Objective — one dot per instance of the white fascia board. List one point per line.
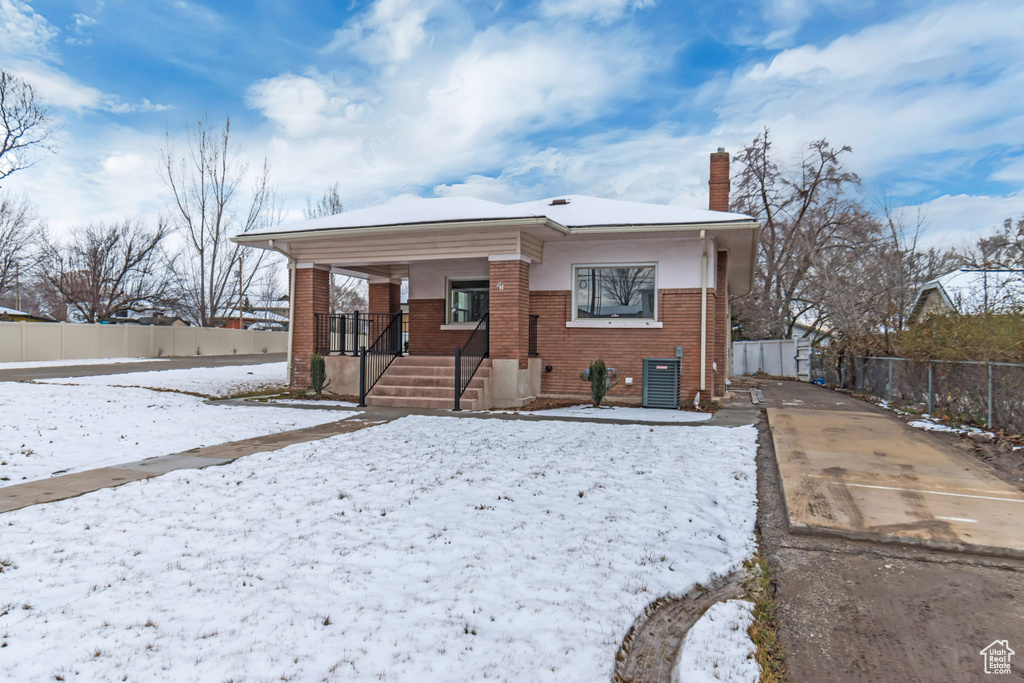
(541, 221)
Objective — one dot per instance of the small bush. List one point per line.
(598, 378)
(318, 373)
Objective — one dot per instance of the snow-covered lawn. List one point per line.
(622, 413)
(214, 382)
(47, 428)
(718, 648)
(425, 549)
(19, 365)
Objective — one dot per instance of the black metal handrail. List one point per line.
(469, 356)
(532, 348)
(345, 333)
(376, 358)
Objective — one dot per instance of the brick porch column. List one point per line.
(312, 296)
(510, 309)
(723, 324)
(385, 297)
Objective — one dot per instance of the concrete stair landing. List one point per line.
(429, 382)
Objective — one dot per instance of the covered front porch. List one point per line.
(465, 339)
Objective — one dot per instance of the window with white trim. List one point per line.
(627, 292)
(468, 299)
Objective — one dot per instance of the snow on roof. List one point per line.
(580, 211)
(571, 211)
(974, 291)
(11, 311)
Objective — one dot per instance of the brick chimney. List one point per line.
(719, 181)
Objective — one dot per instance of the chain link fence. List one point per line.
(984, 394)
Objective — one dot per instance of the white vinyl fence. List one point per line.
(779, 357)
(33, 341)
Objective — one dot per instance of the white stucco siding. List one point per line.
(427, 278)
(678, 260)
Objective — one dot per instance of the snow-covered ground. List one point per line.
(933, 424)
(215, 382)
(718, 648)
(313, 402)
(425, 549)
(47, 429)
(622, 413)
(19, 365)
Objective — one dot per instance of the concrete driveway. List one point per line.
(869, 476)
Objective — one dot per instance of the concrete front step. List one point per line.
(425, 392)
(419, 402)
(424, 370)
(426, 380)
(429, 382)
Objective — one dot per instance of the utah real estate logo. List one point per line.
(997, 657)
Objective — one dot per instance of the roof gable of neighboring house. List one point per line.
(970, 292)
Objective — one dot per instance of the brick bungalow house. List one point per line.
(528, 293)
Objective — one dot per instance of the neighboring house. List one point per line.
(14, 315)
(971, 292)
(255, 319)
(148, 316)
(561, 281)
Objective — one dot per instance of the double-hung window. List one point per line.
(627, 292)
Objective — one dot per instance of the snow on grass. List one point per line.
(19, 365)
(425, 549)
(47, 429)
(214, 382)
(718, 649)
(623, 413)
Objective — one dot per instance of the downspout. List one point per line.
(291, 305)
(703, 310)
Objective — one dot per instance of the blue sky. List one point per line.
(519, 100)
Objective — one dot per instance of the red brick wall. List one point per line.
(312, 296)
(510, 310)
(426, 338)
(570, 350)
(385, 297)
(718, 182)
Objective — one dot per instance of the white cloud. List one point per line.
(601, 11)
(948, 81)
(390, 32)
(959, 220)
(23, 33)
(456, 109)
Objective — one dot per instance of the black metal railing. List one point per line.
(532, 348)
(376, 357)
(469, 356)
(345, 333)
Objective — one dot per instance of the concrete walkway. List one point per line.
(73, 485)
(869, 476)
(49, 372)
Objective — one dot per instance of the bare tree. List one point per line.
(26, 124)
(103, 269)
(805, 212)
(210, 205)
(329, 204)
(19, 229)
(347, 293)
(624, 286)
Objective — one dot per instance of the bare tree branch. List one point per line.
(25, 124)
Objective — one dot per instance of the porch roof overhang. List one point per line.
(373, 246)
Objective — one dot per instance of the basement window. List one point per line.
(615, 292)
